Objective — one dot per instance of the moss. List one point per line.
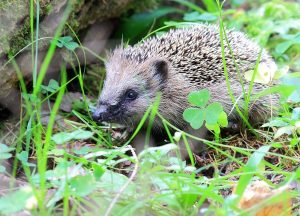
(4, 4)
(85, 13)
(145, 5)
(89, 11)
(48, 8)
(11, 13)
(21, 38)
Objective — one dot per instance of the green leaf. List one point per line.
(296, 114)
(53, 84)
(199, 98)
(222, 120)
(31, 97)
(210, 5)
(213, 111)
(67, 42)
(137, 26)
(294, 82)
(15, 202)
(72, 46)
(57, 152)
(295, 96)
(63, 137)
(58, 194)
(4, 156)
(194, 116)
(65, 39)
(275, 123)
(159, 150)
(98, 171)
(284, 130)
(298, 173)
(5, 148)
(52, 87)
(82, 185)
(196, 16)
(213, 127)
(294, 142)
(283, 47)
(251, 167)
(83, 150)
(238, 2)
(277, 145)
(112, 182)
(23, 157)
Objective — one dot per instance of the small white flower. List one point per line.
(27, 189)
(265, 73)
(31, 203)
(177, 136)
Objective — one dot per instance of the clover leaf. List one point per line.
(212, 114)
(67, 42)
(213, 111)
(194, 116)
(199, 98)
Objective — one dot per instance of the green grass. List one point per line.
(82, 169)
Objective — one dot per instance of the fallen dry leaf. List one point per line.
(259, 192)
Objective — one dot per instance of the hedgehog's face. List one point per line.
(129, 89)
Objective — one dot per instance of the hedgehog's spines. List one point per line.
(198, 43)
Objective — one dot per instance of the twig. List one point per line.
(115, 200)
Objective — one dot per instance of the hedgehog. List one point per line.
(174, 64)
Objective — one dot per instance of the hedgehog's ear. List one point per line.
(160, 68)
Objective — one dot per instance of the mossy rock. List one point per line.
(15, 18)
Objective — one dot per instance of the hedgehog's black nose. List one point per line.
(100, 114)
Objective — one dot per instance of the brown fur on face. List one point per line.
(147, 79)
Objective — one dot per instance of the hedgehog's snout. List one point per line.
(106, 113)
(99, 114)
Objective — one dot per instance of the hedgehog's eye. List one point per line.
(131, 94)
